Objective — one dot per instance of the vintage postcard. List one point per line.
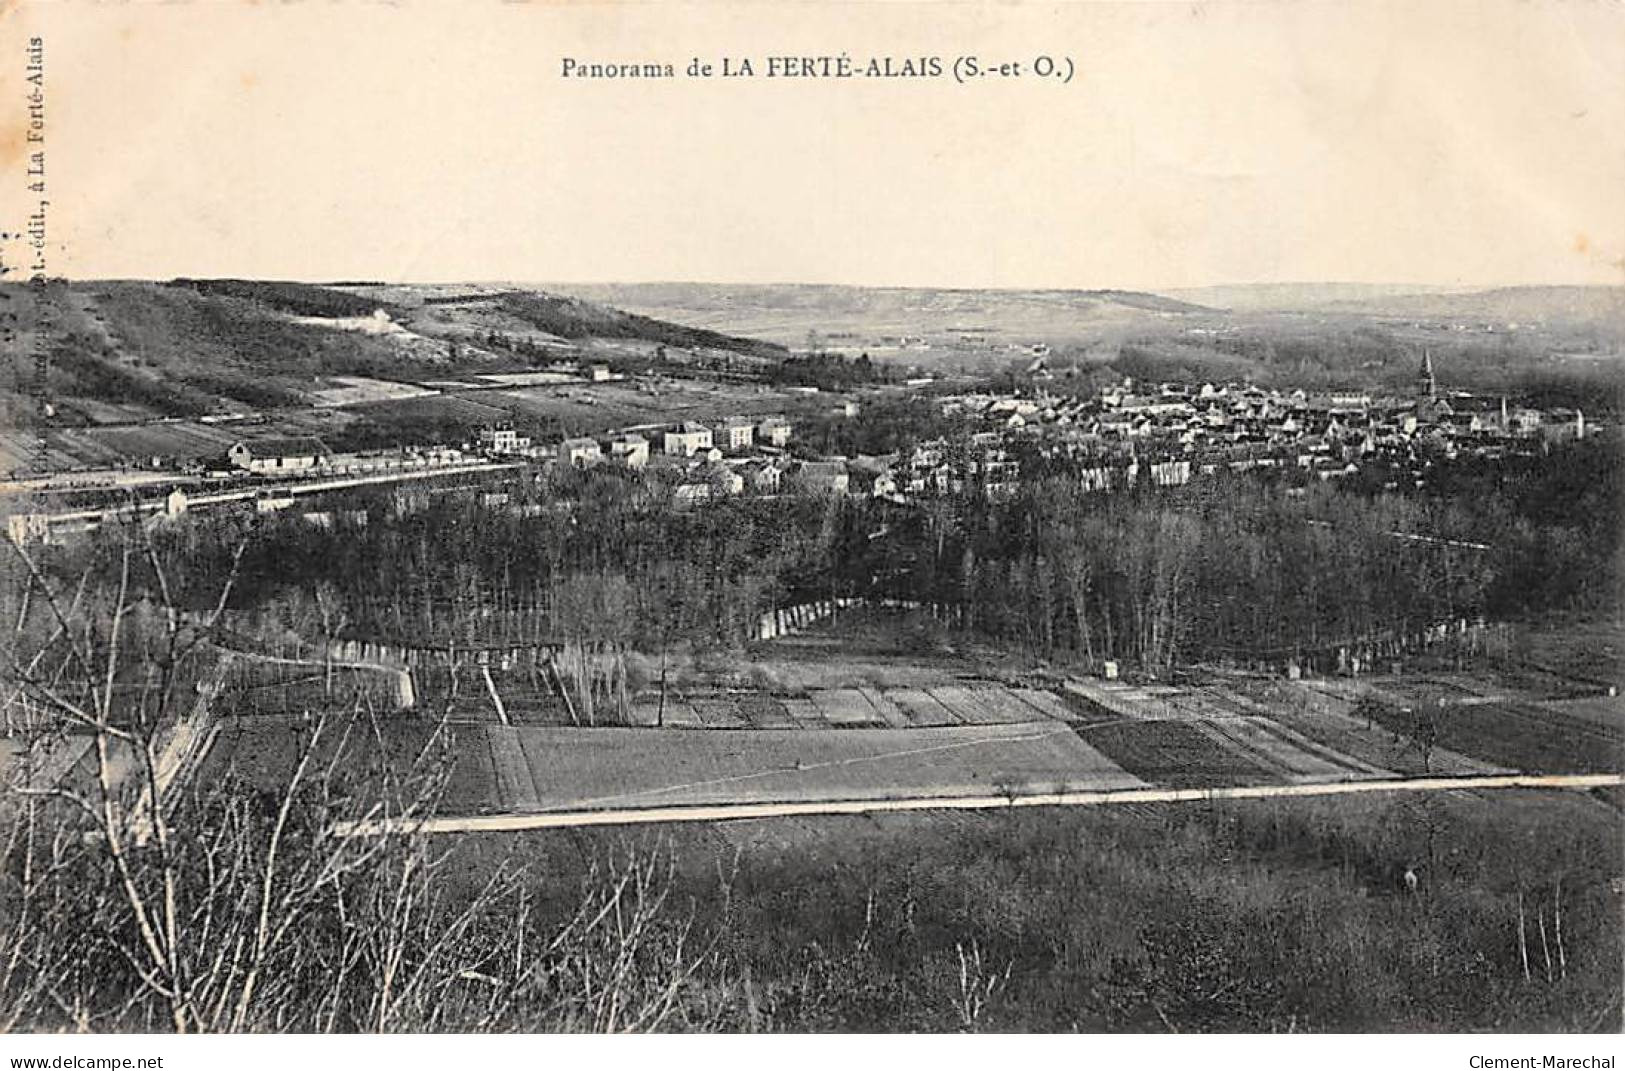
(812, 518)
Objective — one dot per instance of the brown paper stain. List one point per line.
(248, 80)
(13, 138)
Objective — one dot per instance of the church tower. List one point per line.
(1426, 385)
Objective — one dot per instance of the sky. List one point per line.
(1459, 144)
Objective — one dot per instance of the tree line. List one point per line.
(1227, 568)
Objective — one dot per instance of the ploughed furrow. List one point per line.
(516, 788)
(1177, 754)
(1257, 737)
(922, 708)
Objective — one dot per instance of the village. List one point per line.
(1124, 436)
(1167, 433)
(1128, 434)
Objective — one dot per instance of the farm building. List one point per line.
(821, 478)
(1563, 424)
(278, 455)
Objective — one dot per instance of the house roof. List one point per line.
(302, 446)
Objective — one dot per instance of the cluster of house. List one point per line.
(698, 461)
(308, 456)
(1169, 432)
(1162, 435)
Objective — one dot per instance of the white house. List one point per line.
(277, 456)
(580, 452)
(734, 433)
(687, 439)
(764, 477)
(774, 431)
(1172, 473)
(503, 439)
(631, 450)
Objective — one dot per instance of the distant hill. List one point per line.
(1571, 306)
(559, 316)
(1568, 305)
(1254, 297)
(786, 313)
(573, 318)
(129, 351)
(301, 299)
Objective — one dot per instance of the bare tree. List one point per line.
(135, 898)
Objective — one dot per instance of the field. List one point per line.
(79, 448)
(842, 711)
(1525, 737)
(584, 408)
(1592, 651)
(576, 769)
(1200, 736)
(1327, 720)
(358, 757)
(527, 696)
(359, 390)
(252, 688)
(1607, 712)
(1177, 754)
(504, 769)
(872, 317)
(528, 379)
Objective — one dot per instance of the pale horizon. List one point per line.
(544, 284)
(1457, 145)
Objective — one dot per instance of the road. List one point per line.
(299, 487)
(509, 823)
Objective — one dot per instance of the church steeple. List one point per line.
(1426, 385)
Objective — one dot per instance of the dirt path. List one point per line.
(500, 823)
